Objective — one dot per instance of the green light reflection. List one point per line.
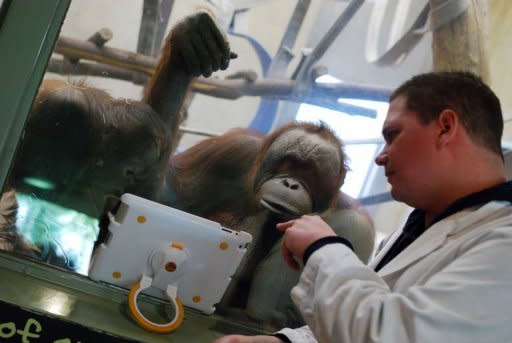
(39, 183)
(65, 237)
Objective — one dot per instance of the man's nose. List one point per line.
(381, 158)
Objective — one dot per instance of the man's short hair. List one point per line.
(477, 106)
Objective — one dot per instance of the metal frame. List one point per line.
(25, 50)
(151, 34)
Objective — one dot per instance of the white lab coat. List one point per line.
(452, 284)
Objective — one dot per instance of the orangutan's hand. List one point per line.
(298, 236)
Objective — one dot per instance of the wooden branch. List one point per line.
(62, 66)
(100, 37)
(117, 57)
(129, 66)
(284, 89)
(231, 88)
(234, 89)
(461, 44)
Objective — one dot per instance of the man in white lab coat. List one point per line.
(445, 276)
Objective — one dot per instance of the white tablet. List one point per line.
(196, 255)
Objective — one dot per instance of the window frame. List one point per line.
(25, 51)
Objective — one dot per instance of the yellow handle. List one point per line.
(147, 324)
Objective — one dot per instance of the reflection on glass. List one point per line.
(94, 135)
(59, 303)
(90, 138)
(64, 236)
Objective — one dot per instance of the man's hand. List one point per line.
(199, 46)
(247, 339)
(299, 234)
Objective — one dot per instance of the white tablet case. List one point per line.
(142, 236)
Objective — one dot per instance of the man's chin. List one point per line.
(395, 194)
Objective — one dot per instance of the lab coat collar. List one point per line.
(436, 236)
(502, 192)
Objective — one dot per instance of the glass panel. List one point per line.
(361, 136)
(128, 105)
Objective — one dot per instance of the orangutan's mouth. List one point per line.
(279, 209)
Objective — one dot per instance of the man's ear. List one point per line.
(448, 125)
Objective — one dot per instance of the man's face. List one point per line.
(410, 155)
